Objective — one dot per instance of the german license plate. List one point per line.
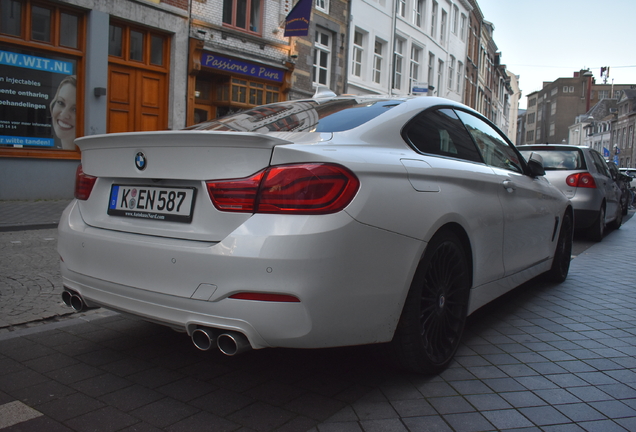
(149, 202)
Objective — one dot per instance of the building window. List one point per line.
(414, 71)
(49, 24)
(440, 76)
(553, 106)
(401, 8)
(322, 58)
(460, 72)
(451, 72)
(455, 20)
(442, 27)
(531, 118)
(532, 102)
(398, 64)
(431, 68)
(530, 136)
(358, 51)
(603, 94)
(418, 12)
(377, 61)
(554, 91)
(322, 5)
(462, 27)
(134, 44)
(552, 129)
(434, 20)
(243, 15)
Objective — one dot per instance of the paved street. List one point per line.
(545, 357)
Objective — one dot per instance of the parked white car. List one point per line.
(325, 222)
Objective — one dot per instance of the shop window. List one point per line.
(243, 14)
(137, 45)
(42, 55)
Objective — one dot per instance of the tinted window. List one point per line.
(494, 149)
(600, 164)
(558, 159)
(440, 132)
(335, 115)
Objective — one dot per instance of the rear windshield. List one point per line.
(335, 115)
(558, 159)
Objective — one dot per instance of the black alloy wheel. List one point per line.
(563, 253)
(434, 314)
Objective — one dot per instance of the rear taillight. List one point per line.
(83, 184)
(582, 180)
(311, 188)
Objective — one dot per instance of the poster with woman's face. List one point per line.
(38, 98)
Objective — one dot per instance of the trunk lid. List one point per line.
(175, 161)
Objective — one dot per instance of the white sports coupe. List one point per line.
(314, 223)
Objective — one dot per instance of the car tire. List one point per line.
(597, 229)
(618, 221)
(563, 253)
(432, 321)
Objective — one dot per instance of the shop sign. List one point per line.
(37, 100)
(227, 64)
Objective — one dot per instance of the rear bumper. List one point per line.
(347, 295)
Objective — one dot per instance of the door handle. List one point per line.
(509, 185)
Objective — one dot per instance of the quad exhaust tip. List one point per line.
(228, 342)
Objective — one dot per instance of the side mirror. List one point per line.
(535, 163)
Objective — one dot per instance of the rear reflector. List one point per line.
(283, 298)
(312, 188)
(83, 184)
(582, 180)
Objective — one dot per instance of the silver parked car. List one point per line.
(582, 174)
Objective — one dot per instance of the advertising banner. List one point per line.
(37, 100)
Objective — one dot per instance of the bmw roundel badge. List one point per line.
(141, 161)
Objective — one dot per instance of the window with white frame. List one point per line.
(431, 68)
(442, 27)
(358, 52)
(553, 108)
(401, 8)
(322, 58)
(398, 63)
(460, 73)
(434, 20)
(377, 61)
(455, 20)
(419, 6)
(603, 94)
(462, 27)
(440, 76)
(451, 72)
(414, 70)
(322, 5)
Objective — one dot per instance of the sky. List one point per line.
(543, 40)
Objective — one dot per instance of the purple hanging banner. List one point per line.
(297, 21)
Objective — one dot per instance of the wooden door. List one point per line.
(136, 100)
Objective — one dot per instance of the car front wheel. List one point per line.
(434, 314)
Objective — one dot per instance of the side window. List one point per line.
(600, 164)
(494, 149)
(440, 132)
